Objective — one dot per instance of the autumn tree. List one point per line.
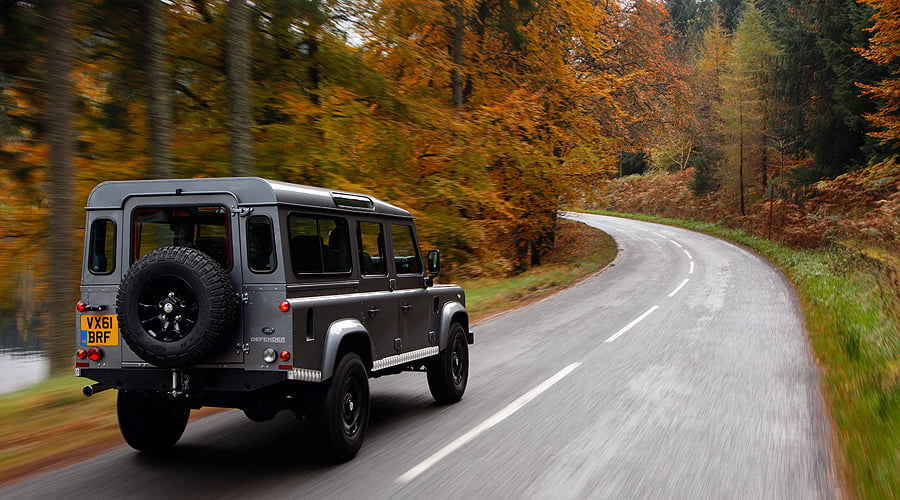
(885, 50)
(743, 106)
(705, 123)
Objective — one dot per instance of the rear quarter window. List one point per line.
(102, 247)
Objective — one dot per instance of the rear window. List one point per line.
(204, 228)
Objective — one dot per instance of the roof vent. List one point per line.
(345, 200)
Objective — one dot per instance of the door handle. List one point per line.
(373, 311)
(406, 307)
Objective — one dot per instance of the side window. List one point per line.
(406, 252)
(370, 237)
(102, 251)
(319, 244)
(260, 244)
(204, 228)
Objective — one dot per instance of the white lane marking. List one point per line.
(689, 255)
(679, 287)
(654, 232)
(692, 268)
(676, 243)
(631, 325)
(487, 424)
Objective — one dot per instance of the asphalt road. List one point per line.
(681, 371)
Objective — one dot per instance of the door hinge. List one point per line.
(398, 345)
(245, 298)
(241, 211)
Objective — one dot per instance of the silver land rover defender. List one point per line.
(259, 295)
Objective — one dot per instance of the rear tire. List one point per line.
(151, 423)
(448, 372)
(344, 412)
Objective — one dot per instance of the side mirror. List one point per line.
(434, 262)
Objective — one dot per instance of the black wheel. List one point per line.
(448, 372)
(175, 304)
(149, 422)
(345, 409)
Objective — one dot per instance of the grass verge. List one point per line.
(579, 252)
(851, 302)
(52, 424)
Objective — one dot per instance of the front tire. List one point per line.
(151, 423)
(345, 409)
(448, 372)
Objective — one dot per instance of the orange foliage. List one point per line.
(885, 49)
(862, 206)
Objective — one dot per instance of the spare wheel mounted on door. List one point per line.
(175, 305)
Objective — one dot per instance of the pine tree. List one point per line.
(743, 104)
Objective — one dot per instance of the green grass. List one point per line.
(851, 302)
(52, 423)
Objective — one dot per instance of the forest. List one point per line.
(481, 117)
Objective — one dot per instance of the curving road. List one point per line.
(681, 371)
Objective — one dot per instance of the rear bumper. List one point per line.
(191, 381)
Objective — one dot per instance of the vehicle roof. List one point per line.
(247, 190)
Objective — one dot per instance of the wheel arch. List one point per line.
(345, 335)
(452, 311)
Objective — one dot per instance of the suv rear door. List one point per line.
(206, 222)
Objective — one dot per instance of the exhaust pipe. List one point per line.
(90, 390)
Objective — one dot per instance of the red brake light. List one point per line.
(81, 354)
(285, 356)
(95, 353)
(80, 306)
(284, 306)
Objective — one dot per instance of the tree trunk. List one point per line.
(456, 79)
(60, 263)
(159, 92)
(240, 124)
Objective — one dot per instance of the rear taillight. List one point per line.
(81, 354)
(80, 306)
(285, 356)
(284, 306)
(95, 353)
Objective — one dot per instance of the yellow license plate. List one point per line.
(99, 329)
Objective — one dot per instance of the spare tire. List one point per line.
(175, 305)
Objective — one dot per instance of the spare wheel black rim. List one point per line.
(168, 308)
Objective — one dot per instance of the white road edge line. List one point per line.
(692, 268)
(679, 287)
(689, 255)
(676, 243)
(483, 426)
(631, 325)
